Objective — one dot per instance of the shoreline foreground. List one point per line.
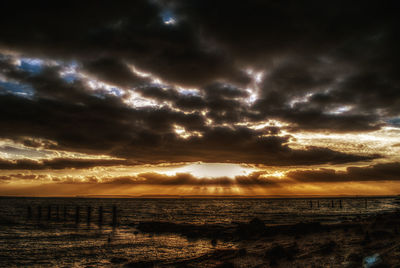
(208, 233)
(369, 242)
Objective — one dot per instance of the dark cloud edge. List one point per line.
(377, 172)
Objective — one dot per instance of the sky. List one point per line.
(153, 97)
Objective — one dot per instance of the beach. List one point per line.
(199, 232)
(371, 242)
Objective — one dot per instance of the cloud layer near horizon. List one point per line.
(377, 172)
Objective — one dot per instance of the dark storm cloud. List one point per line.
(131, 31)
(378, 172)
(326, 67)
(113, 71)
(344, 52)
(92, 121)
(239, 145)
(360, 32)
(306, 93)
(223, 103)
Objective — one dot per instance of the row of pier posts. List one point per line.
(89, 209)
(332, 204)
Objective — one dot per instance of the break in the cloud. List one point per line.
(150, 82)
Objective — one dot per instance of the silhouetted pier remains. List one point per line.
(114, 216)
(39, 213)
(100, 215)
(59, 213)
(331, 204)
(49, 212)
(335, 203)
(89, 215)
(29, 211)
(77, 214)
(65, 214)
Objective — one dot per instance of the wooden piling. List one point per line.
(100, 215)
(310, 203)
(340, 203)
(332, 204)
(114, 215)
(77, 214)
(29, 212)
(89, 215)
(65, 214)
(57, 213)
(48, 212)
(318, 203)
(39, 212)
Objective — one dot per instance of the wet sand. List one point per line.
(205, 233)
(373, 241)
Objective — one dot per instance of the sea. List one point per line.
(69, 232)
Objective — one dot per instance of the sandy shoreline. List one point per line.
(256, 243)
(373, 241)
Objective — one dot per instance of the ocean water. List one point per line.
(57, 239)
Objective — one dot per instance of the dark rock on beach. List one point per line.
(188, 230)
(118, 260)
(140, 264)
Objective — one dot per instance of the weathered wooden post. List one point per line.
(365, 203)
(340, 203)
(89, 215)
(310, 203)
(100, 215)
(318, 203)
(65, 214)
(332, 204)
(77, 214)
(29, 215)
(57, 213)
(114, 215)
(49, 212)
(39, 212)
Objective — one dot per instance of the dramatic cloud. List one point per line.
(378, 172)
(133, 31)
(179, 179)
(58, 163)
(91, 120)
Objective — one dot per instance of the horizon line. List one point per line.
(166, 196)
